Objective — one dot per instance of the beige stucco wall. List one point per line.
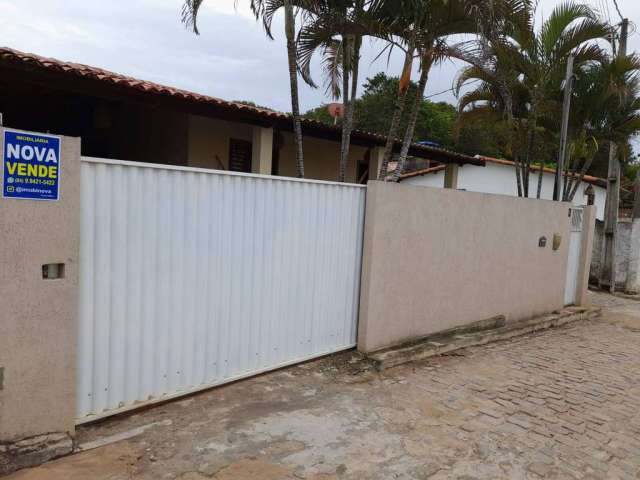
(209, 137)
(38, 318)
(321, 159)
(435, 259)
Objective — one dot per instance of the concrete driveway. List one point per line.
(563, 403)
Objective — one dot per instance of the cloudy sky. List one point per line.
(231, 59)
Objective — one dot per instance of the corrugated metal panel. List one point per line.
(191, 278)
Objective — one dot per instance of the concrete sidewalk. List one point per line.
(562, 403)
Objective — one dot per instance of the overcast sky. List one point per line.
(231, 59)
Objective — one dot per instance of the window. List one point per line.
(362, 171)
(239, 155)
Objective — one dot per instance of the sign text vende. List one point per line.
(31, 166)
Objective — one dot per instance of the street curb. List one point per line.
(33, 451)
(627, 296)
(437, 344)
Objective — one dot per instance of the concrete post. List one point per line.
(262, 150)
(586, 249)
(632, 284)
(451, 176)
(38, 319)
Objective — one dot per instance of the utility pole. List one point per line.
(608, 253)
(558, 193)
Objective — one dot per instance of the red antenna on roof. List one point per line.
(336, 110)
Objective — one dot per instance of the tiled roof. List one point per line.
(87, 71)
(423, 171)
(600, 182)
(19, 59)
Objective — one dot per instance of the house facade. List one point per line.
(498, 176)
(124, 118)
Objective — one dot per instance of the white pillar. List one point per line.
(633, 273)
(451, 176)
(586, 249)
(262, 150)
(375, 162)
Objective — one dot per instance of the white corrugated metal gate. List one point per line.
(575, 245)
(191, 278)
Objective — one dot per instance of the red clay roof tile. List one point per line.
(8, 55)
(600, 182)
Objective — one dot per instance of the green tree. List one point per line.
(487, 138)
(437, 121)
(432, 27)
(336, 28)
(520, 71)
(374, 111)
(605, 110)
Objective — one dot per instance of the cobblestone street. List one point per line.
(562, 403)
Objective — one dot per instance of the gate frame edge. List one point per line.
(586, 250)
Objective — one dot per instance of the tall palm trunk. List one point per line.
(526, 170)
(293, 82)
(521, 154)
(505, 94)
(531, 138)
(516, 162)
(353, 63)
(397, 113)
(427, 61)
(531, 142)
(578, 181)
(567, 178)
(346, 71)
(540, 176)
(516, 158)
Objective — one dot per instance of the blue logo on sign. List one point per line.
(31, 166)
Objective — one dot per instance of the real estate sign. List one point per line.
(30, 166)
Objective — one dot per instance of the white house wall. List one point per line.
(500, 179)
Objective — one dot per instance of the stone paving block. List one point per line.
(562, 403)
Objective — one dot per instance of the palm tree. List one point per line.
(403, 87)
(401, 34)
(266, 9)
(336, 28)
(520, 73)
(606, 109)
(434, 23)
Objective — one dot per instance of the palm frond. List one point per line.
(332, 61)
(189, 15)
(562, 16)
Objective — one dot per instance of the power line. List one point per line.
(605, 3)
(600, 7)
(615, 3)
(439, 93)
(448, 90)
